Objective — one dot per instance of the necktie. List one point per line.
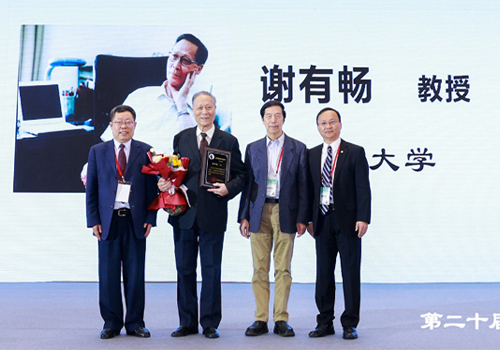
(326, 176)
(122, 160)
(203, 144)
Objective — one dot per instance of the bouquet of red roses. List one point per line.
(175, 201)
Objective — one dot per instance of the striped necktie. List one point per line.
(326, 177)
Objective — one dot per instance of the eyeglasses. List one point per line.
(121, 122)
(329, 123)
(185, 61)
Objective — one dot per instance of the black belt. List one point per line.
(122, 212)
(272, 200)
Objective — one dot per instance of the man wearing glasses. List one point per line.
(118, 196)
(163, 111)
(341, 209)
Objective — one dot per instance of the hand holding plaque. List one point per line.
(215, 166)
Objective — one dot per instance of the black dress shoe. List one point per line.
(350, 333)
(108, 333)
(321, 330)
(140, 332)
(283, 329)
(211, 333)
(182, 331)
(257, 328)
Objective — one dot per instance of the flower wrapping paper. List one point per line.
(175, 201)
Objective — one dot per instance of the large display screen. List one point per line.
(415, 83)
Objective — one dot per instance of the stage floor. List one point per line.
(66, 316)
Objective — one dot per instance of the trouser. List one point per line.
(122, 250)
(329, 243)
(262, 244)
(210, 245)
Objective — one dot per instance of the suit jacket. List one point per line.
(293, 195)
(209, 210)
(351, 187)
(102, 184)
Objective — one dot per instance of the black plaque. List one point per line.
(215, 167)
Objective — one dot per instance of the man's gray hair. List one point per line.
(204, 93)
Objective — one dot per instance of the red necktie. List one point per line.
(203, 144)
(122, 159)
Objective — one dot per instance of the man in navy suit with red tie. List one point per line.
(341, 210)
(118, 195)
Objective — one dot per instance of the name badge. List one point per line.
(272, 188)
(324, 197)
(122, 192)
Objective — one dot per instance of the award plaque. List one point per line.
(215, 167)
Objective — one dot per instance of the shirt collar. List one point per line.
(163, 90)
(335, 145)
(278, 142)
(117, 144)
(210, 132)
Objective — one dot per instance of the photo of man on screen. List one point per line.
(163, 111)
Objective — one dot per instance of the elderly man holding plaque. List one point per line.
(215, 175)
(274, 207)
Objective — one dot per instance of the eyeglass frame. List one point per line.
(123, 122)
(172, 55)
(328, 123)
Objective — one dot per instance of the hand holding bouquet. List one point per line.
(175, 201)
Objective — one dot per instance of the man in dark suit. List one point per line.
(202, 226)
(341, 210)
(274, 206)
(118, 196)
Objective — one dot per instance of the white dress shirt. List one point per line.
(335, 146)
(210, 135)
(274, 148)
(126, 149)
(157, 119)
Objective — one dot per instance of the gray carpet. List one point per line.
(66, 316)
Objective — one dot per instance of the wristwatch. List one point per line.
(184, 111)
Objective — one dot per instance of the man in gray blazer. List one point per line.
(273, 207)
